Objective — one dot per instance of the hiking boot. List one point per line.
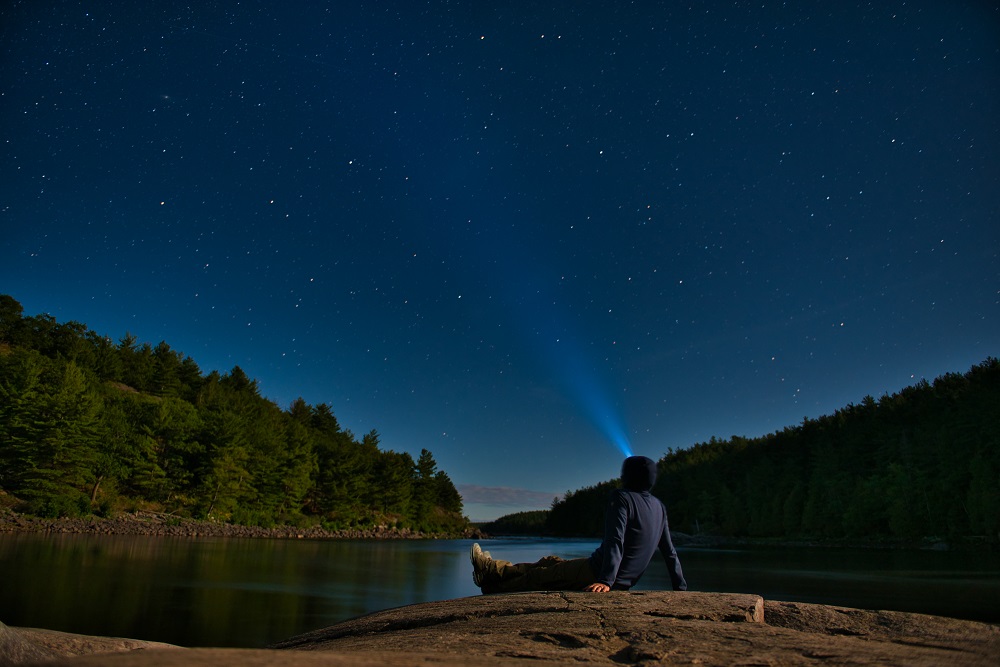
(480, 564)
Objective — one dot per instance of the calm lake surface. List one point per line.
(249, 593)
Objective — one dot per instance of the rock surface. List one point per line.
(31, 645)
(560, 628)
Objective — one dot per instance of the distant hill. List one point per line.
(521, 523)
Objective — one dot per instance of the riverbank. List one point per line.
(154, 523)
(564, 629)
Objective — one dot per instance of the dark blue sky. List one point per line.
(516, 235)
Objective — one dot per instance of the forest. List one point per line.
(92, 426)
(532, 522)
(920, 464)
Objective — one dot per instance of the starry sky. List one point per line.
(527, 238)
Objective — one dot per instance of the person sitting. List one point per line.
(635, 526)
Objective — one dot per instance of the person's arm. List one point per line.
(613, 546)
(670, 557)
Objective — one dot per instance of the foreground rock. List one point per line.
(663, 628)
(30, 645)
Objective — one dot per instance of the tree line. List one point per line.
(91, 425)
(920, 463)
(532, 522)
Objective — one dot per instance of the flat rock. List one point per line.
(33, 645)
(640, 627)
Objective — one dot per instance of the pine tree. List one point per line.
(50, 433)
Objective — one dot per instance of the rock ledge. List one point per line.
(560, 628)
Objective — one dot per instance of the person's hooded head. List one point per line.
(638, 473)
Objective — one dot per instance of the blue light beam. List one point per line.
(569, 364)
(527, 285)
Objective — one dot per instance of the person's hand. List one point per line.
(597, 588)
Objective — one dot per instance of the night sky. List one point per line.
(527, 238)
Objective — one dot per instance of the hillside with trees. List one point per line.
(921, 463)
(533, 522)
(90, 425)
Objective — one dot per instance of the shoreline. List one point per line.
(155, 524)
(141, 522)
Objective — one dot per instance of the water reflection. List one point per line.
(219, 592)
(215, 592)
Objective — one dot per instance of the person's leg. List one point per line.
(548, 574)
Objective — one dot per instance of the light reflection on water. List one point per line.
(218, 592)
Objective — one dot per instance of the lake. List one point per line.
(249, 593)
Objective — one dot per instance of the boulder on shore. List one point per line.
(569, 628)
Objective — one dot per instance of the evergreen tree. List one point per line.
(136, 363)
(424, 495)
(166, 376)
(122, 444)
(168, 470)
(49, 433)
(11, 313)
(392, 486)
(107, 360)
(446, 495)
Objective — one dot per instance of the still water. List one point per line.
(249, 593)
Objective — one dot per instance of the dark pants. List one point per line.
(549, 574)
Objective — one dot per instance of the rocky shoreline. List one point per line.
(158, 524)
(142, 522)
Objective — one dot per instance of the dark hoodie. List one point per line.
(634, 527)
